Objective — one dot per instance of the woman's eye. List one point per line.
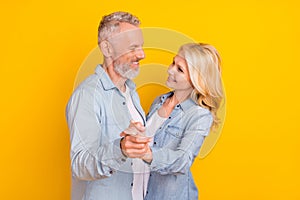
(179, 69)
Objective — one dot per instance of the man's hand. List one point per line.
(134, 144)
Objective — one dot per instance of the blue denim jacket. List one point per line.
(96, 114)
(176, 144)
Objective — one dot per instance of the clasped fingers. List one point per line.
(134, 146)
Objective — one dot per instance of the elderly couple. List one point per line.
(119, 153)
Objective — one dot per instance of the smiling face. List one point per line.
(179, 78)
(127, 50)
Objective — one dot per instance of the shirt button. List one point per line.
(110, 171)
(124, 103)
(170, 117)
(131, 184)
(154, 142)
(123, 159)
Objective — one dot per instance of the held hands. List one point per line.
(134, 143)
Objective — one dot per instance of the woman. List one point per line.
(181, 119)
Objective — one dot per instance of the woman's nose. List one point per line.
(170, 69)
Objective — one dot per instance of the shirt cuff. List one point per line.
(118, 152)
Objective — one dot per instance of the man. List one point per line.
(103, 107)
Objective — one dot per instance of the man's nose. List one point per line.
(140, 54)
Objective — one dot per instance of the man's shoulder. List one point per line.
(90, 83)
(93, 80)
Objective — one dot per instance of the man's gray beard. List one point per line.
(125, 71)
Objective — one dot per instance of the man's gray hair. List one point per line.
(111, 23)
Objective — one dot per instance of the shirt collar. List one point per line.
(185, 105)
(107, 82)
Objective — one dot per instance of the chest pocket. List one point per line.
(173, 136)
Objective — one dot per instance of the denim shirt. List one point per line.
(96, 114)
(176, 144)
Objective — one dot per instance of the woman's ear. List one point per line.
(106, 48)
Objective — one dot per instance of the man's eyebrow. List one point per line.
(135, 46)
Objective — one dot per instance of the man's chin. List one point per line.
(126, 71)
(132, 74)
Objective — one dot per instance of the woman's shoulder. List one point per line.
(200, 116)
(199, 113)
(196, 112)
(193, 108)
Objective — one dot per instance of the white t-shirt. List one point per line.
(137, 188)
(140, 169)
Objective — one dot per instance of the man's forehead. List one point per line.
(124, 26)
(128, 34)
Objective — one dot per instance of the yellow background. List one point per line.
(43, 43)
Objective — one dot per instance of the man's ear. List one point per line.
(106, 48)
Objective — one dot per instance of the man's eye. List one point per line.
(135, 48)
(179, 69)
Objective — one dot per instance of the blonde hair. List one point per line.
(204, 63)
(111, 24)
